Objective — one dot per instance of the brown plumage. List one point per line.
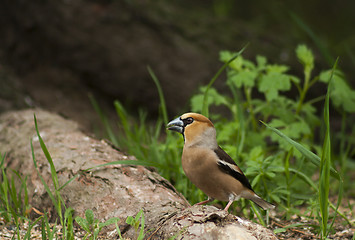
(208, 166)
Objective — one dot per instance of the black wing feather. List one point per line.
(227, 169)
(224, 156)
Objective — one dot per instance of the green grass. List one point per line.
(14, 206)
(65, 213)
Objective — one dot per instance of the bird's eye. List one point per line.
(189, 120)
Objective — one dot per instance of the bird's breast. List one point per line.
(194, 162)
(200, 166)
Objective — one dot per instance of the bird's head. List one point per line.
(196, 129)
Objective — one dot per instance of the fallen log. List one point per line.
(110, 191)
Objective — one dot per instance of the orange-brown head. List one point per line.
(196, 129)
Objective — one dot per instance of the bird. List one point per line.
(208, 166)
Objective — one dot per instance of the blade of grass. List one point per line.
(304, 177)
(118, 231)
(205, 96)
(50, 194)
(307, 153)
(2, 159)
(314, 37)
(257, 213)
(287, 176)
(161, 95)
(4, 195)
(323, 192)
(26, 204)
(68, 224)
(127, 162)
(48, 156)
(55, 197)
(241, 119)
(104, 120)
(142, 223)
(283, 229)
(328, 154)
(43, 230)
(69, 181)
(28, 233)
(121, 112)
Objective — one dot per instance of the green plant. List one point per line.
(93, 226)
(138, 223)
(14, 205)
(48, 232)
(57, 200)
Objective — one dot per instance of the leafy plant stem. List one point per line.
(307, 74)
(205, 96)
(247, 92)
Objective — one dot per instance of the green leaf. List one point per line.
(109, 222)
(277, 68)
(50, 194)
(130, 220)
(293, 130)
(340, 92)
(48, 156)
(227, 131)
(213, 98)
(256, 180)
(83, 223)
(305, 56)
(273, 82)
(235, 64)
(214, 78)
(225, 55)
(89, 214)
(244, 78)
(261, 62)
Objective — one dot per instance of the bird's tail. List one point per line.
(261, 202)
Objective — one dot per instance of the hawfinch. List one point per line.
(209, 167)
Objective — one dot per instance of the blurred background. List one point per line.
(53, 53)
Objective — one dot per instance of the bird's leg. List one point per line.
(206, 201)
(228, 205)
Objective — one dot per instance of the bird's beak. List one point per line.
(176, 125)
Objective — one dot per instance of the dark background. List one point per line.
(53, 53)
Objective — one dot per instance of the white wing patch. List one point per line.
(231, 166)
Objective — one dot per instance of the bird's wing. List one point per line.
(227, 165)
